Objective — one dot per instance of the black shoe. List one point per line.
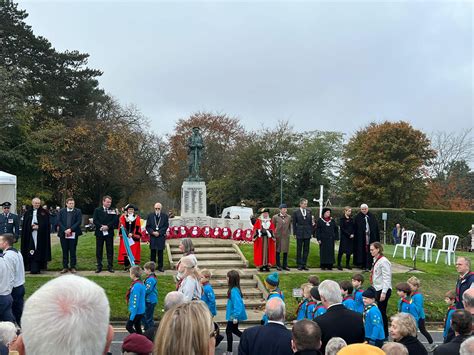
(110, 270)
(161, 269)
(348, 267)
(261, 269)
(300, 268)
(278, 268)
(330, 268)
(323, 268)
(286, 268)
(339, 267)
(98, 270)
(305, 268)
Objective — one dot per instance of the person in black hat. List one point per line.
(282, 222)
(264, 241)
(9, 222)
(132, 224)
(326, 234)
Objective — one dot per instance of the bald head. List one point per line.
(468, 300)
(275, 309)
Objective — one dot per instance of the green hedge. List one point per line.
(420, 221)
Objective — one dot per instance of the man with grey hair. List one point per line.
(467, 346)
(366, 232)
(338, 321)
(465, 280)
(173, 299)
(270, 339)
(67, 315)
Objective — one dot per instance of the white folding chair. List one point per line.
(426, 244)
(406, 242)
(449, 247)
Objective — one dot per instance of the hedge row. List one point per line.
(420, 221)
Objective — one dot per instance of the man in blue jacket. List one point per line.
(69, 221)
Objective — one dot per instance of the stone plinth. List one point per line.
(193, 199)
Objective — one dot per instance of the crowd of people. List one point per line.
(332, 317)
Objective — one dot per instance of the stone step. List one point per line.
(206, 250)
(250, 303)
(222, 273)
(222, 283)
(205, 257)
(253, 317)
(221, 264)
(202, 242)
(247, 292)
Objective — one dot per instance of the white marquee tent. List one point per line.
(8, 189)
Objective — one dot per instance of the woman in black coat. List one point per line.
(326, 234)
(403, 331)
(346, 244)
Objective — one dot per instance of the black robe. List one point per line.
(361, 251)
(42, 253)
(346, 226)
(326, 234)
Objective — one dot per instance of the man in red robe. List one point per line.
(132, 224)
(264, 241)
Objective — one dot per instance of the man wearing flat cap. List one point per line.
(9, 222)
(282, 223)
(264, 241)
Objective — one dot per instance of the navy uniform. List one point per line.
(14, 261)
(6, 283)
(9, 222)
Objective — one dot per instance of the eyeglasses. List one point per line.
(157, 208)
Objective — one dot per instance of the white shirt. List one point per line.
(15, 262)
(190, 288)
(6, 280)
(382, 275)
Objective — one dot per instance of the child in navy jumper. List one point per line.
(235, 309)
(151, 294)
(208, 296)
(346, 291)
(373, 323)
(136, 301)
(418, 300)
(357, 281)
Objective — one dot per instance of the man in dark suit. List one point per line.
(272, 338)
(302, 229)
(69, 221)
(461, 323)
(366, 232)
(338, 321)
(105, 221)
(156, 226)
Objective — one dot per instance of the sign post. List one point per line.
(384, 218)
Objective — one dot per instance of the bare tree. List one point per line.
(451, 147)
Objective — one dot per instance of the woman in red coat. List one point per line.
(132, 224)
(264, 241)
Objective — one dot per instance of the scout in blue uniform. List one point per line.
(307, 306)
(151, 295)
(136, 301)
(357, 281)
(271, 283)
(319, 309)
(450, 299)
(405, 303)
(373, 323)
(9, 222)
(418, 301)
(346, 291)
(235, 308)
(208, 296)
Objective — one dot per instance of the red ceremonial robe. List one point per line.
(136, 229)
(259, 254)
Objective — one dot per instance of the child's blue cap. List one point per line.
(272, 279)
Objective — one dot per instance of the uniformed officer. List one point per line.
(14, 261)
(9, 222)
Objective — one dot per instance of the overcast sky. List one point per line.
(321, 65)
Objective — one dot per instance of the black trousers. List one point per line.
(285, 259)
(339, 257)
(18, 295)
(135, 326)
(231, 328)
(302, 251)
(109, 247)
(421, 325)
(383, 308)
(153, 253)
(6, 314)
(69, 247)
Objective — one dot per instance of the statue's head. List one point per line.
(195, 129)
